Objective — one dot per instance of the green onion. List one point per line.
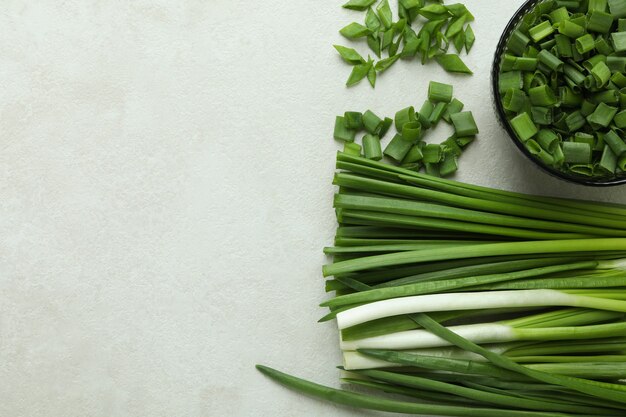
(371, 147)
(354, 30)
(452, 63)
(464, 124)
(342, 132)
(398, 148)
(371, 122)
(439, 92)
(576, 152)
(523, 126)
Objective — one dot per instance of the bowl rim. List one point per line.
(497, 97)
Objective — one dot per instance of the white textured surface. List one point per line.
(165, 193)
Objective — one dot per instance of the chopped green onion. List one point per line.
(452, 63)
(464, 124)
(371, 147)
(398, 148)
(602, 116)
(342, 132)
(523, 126)
(454, 107)
(358, 4)
(353, 120)
(439, 92)
(412, 131)
(404, 116)
(352, 148)
(576, 152)
(551, 61)
(600, 21)
(354, 30)
(571, 30)
(371, 122)
(619, 41)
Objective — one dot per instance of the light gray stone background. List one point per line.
(165, 194)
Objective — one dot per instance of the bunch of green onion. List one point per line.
(563, 85)
(462, 300)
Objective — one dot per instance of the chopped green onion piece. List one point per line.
(541, 115)
(523, 126)
(514, 100)
(384, 64)
(551, 61)
(384, 13)
(571, 30)
(439, 92)
(352, 148)
(601, 73)
(542, 96)
(448, 165)
(414, 155)
(358, 73)
(548, 139)
(619, 41)
(518, 42)
(616, 63)
(437, 113)
(372, 22)
(355, 30)
(602, 116)
(353, 120)
(525, 64)
(617, 8)
(568, 98)
(541, 30)
(371, 122)
(536, 150)
(603, 46)
(342, 132)
(464, 124)
(469, 38)
(432, 153)
(597, 5)
(424, 114)
(620, 119)
(371, 76)
(384, 127)
(585, 44)
(374, 43)
(398, 148)
(371, 147)
(576, 152)
(600, 21)
(412, 131)
(574, 121)
(454, 107)
(563, 46)
(349, 55)
(616, 143)
(452, 63)
(559, 15)
(360, 5)
(511, 79)
(404, 116)
(608, 161)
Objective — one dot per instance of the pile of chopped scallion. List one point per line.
(442, 25)
(464, 300)
(408, 148)
(563, 85)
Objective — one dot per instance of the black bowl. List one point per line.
(495, 76)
